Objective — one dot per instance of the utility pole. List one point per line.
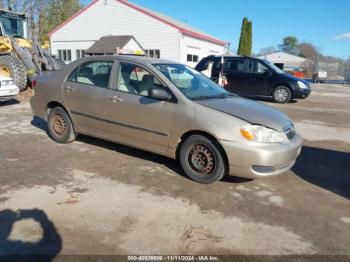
(228, 52)
(347, 71)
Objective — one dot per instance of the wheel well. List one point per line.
(207, 135)
(291, 89)
(54, 104)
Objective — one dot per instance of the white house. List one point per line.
(287, 60)
(160, 35)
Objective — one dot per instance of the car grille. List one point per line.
(289, 131)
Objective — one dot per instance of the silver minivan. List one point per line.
(170, 109)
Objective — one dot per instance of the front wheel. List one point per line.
(60, 126)
(282, 94)
(202, 160)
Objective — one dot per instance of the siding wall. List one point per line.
(116, 18)
(190, 45)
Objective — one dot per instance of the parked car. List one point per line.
(8, 88)
(253, 77)
(169, 109)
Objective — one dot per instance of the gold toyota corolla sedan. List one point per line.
(170, 109)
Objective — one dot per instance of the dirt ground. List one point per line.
(96, 197)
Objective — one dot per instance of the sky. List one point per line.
(324, 23)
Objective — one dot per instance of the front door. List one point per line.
(85, 92)
(135, 118)
(257, 84)
(235, 70)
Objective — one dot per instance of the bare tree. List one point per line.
(311, 53)
(12, 5)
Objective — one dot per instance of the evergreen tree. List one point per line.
(249, 38)
(245, 40)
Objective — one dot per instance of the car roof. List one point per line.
(131, 58)
(236, 56)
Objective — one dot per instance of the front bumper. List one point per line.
(8, 93)
(255, 160)
(301, 93)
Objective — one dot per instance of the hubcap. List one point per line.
(4, 70)
(281, 94)
(201, 159)
(59, 125)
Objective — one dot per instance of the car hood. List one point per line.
(250, 111)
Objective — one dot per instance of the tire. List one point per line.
(60, 127)
(14, 68)
(58, 63)
(282, 94)
(202, 160)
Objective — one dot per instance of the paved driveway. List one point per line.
(94, 197)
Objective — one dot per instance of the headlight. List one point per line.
(262, 134)
(302, 85)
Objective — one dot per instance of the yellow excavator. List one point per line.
(21, 58)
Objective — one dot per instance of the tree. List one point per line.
(250, 38)
(310, 52)
(245, 40)
(290, 45)
(290, 41)
(54, 14)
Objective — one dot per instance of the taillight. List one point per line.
(34, 82)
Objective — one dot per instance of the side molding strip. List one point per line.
(119, 123)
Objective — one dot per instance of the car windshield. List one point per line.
(191, 83)
(274, 68)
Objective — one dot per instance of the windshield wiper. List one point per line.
(223, 95)
(220, 96)
(201, 97)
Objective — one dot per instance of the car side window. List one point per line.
(255, 67)
(136, 80)
(236, 65)
(95, 73)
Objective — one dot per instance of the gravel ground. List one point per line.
(94, 197)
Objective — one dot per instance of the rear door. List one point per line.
(135, 118)
(85, 93)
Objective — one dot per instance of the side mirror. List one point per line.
(159, 94)
(268, 73)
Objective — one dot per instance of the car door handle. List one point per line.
(116, 99)
(69, 89)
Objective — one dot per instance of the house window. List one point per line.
(192, 58)
(65, 54)
(80, 53)
(155, 53)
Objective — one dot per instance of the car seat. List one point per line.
(147, 83)
(85, 76)
(124, 83)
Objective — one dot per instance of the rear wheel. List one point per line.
(60, 126)
(13, 67)
(202, 159)
(282, 94)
